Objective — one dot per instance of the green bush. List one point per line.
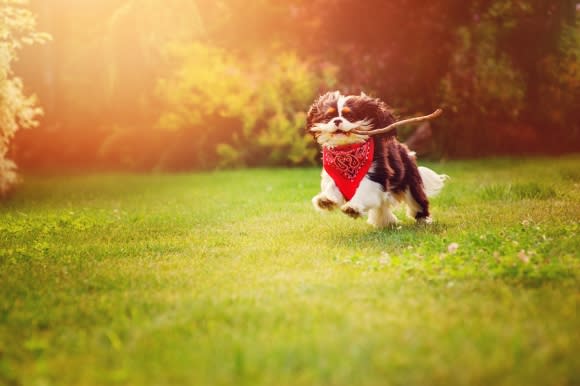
(513, 82)
(235, 111)
(482, 87)
(560, 84)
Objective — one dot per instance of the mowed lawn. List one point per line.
(231, 277)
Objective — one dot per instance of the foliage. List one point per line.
(17, 29)
(231, 277)
(481, 78)
(253, 109)
(482, 87)
(506, 68)
(507, 83)
(560, 85)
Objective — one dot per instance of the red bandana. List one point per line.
(347, 165)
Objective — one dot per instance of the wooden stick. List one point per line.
(434, 114)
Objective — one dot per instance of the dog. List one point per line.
(362, 174)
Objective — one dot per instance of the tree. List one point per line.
(17, 28)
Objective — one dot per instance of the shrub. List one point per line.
(482, 88)
(560, 85)
(236, 111)
(17, 28)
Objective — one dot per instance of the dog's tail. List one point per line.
(432, 182)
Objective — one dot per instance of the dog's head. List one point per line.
(333, 116)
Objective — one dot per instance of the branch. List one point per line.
(434, 114)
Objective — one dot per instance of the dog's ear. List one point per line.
(376, 110)
(313, 112)
(384, 116)
(316, 111)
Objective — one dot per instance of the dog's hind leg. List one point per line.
(415, 197)
(382, 216)
(417, 204)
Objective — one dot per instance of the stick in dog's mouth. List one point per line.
(383, 130)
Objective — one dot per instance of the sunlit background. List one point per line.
(182, 85)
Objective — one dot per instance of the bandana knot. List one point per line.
(347, 165)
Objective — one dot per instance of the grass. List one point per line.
(232, 278)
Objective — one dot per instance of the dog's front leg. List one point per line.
(329, 197)
(369, 195)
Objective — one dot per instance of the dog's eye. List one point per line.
(330, 111)
(346, 111)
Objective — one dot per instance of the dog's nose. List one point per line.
(337, 121)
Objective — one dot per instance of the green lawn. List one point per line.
(232, 278)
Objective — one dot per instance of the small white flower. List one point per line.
(523, 256)
(385, 258)
(452, 247)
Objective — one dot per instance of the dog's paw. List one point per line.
(382, 219)
(425, 220)
(351, 210)
(321, 202)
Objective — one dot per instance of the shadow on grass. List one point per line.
(393, 236)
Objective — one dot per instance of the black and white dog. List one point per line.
(363, 174)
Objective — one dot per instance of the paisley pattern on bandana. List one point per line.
(347, 165)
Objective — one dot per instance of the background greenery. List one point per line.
(171, 85)
(232, 278)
